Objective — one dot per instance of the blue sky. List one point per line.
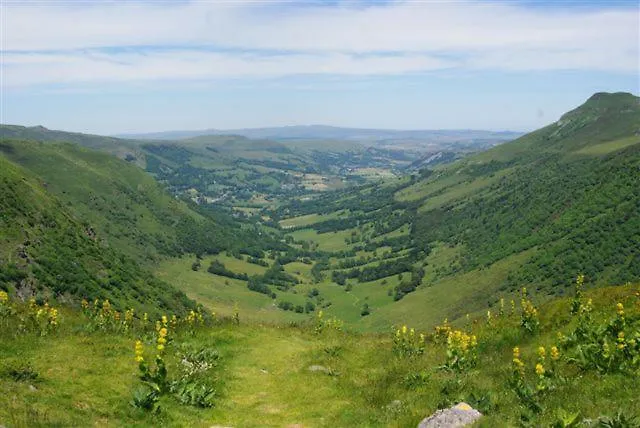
(115, 67)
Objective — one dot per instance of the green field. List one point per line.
(306, 220)
(330, 241)
(220, 294)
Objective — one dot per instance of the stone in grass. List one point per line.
(459, 415)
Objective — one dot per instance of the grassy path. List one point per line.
(270, 384)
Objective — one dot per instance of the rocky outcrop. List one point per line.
(459, 415)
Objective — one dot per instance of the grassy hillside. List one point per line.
(125, 207)
(227, 373)
(535, 211)
(557, 190)
(48, 251)
(124, 149)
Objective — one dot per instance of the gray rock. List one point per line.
(459, 415)
(316, 368)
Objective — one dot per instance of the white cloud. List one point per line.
(65, 42)
(25, 68)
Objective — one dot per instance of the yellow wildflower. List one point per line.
(555, 354)
(139, 349)
(539, 369)
(621, 344)
(620, 309)
(404, 329)
(516, 352)
(542, 353)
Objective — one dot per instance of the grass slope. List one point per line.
(263, 378)
(47, 250)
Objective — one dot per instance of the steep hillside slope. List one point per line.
(125, 206)
(571, 191)
(122, 148)
(48, 251)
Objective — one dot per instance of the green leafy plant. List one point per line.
(194, 393)
(619, 420)
(406, 343)
(461, 351)
(565, 419)
(145, 397)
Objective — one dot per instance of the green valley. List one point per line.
(220, 280)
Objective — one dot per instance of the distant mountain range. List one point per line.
(323, 132)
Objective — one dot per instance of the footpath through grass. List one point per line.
(80, 369)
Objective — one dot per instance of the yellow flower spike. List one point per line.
(145, 317)
(539, 369)
(620, 309)
(160, 347)
(164, 320)
(84, 303)
(542, 353)
(412, 332)
(139, 350)
(555, 354)
(516, 352)
(404, 329)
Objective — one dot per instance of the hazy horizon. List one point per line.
(114, 68)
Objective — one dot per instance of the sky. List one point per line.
(112, 67)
